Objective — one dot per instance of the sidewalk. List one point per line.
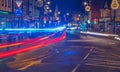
(113, 36)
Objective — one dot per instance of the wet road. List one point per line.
(78, 53)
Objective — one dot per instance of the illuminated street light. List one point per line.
(67, 14)
(46, 7)
(85, 3)
(87, 8)
(58, 12)
(48, 3)
(57, 18)
(50, 10)
(114, 6)
(79, 15)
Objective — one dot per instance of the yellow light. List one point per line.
(115, 4)
(87, 8)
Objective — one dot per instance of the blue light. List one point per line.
(34, 29)
(18, 12)
(70, 53)
(88, 21)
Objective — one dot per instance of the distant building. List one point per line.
(6, 10)
(6, 5)
(107, 17)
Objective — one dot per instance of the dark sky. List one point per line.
(74, 5)
(77, 5)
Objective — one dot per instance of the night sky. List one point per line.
(77, 5)
(74, 5)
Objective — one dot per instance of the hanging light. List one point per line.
(50, 10)
(48, 3)
(85, 3)
(58, 12)
(114, 4)
(67, 14)
(87, 8)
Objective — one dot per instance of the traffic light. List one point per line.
(95, 21)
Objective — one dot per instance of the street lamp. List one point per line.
(85, 3)
(58, 12)
(88, 9)
(79, 15)
(114, 6)
(48, 3)
(50, 10)
(67, 14)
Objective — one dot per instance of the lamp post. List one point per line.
(87, 9)
(114, 6)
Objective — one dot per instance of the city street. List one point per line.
(59, 35)
(77, 53)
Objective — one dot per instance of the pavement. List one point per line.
(77, 53)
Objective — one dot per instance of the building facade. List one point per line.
(107, 17)
(6, 10)
(6, 5)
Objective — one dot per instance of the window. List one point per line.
(9, 3)
(2, 2)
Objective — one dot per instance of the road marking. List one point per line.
(27, 66)
(91, 49)
(75, 68)
(88, 54)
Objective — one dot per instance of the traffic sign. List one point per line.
(18, 2)
(18, 12)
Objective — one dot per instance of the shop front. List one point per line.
(105, 25)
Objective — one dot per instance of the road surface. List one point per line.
(77, 53)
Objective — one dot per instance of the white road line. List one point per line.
(91, 49)
(75, 68)
(86, 56)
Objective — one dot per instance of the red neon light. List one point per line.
(39, 45)
(26, 41)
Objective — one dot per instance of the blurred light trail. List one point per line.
(39, 45)
(26, 41)
(34, 29)
(8, 45)
(99, 34)
(117, 38)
